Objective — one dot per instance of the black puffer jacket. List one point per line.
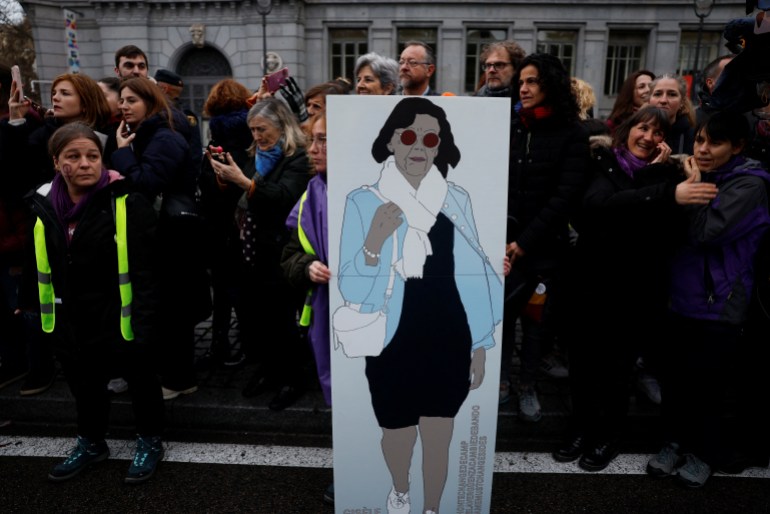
(85, 275)
(547, 177)
(158, 160)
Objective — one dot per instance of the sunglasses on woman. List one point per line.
(429, 140)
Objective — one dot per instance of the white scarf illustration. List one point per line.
(420, 208)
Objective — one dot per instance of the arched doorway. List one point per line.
(200, 69)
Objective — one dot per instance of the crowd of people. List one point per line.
(632, 249)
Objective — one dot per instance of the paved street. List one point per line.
(226, 453)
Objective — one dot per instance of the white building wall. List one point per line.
(299, 31)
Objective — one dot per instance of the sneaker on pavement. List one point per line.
(149, 451)
(505, 392)
(117, 386)
(9, 375)
(694, 472)
(650, 386)
(170, 394)
(398, 503)
(37, 382)
(329, 495)
(553, 366)
(85, 453)
(529, 406)
(664, 463)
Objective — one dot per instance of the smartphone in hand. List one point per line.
(277, 79)
(126, 130)
(16, 76)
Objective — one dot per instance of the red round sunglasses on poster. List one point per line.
(430, 140)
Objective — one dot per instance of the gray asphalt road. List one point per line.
(194, 488)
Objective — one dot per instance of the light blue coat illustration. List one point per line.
(477, 282)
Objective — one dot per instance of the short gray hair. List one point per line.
(385, 68)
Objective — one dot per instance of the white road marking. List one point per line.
(294, 456)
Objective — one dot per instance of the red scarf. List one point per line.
(528, 115)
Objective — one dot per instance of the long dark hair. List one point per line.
(624, 102)
(403, 115)
(555, 82)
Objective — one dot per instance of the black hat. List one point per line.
(169, 77)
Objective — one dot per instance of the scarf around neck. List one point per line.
(528, 115)
(266, 160)
(628, 162)
(420, 206)
(66, 210)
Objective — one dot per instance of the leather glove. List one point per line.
(294, 97)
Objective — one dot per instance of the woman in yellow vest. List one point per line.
(94, 244)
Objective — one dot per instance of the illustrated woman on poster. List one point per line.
(441, 316)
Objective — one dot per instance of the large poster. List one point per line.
(417, 207)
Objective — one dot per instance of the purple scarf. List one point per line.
(628, 162)
(66, 210)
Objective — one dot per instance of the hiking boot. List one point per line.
(149, 451)
(664, 463)
(529, 407)
(85, 453)
(694, 472)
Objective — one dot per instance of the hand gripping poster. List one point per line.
(417, 190)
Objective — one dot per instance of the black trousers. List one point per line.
(702, 387)
(88, 372)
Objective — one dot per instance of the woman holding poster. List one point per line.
(413, 234)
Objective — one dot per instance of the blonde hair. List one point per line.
(584, 95)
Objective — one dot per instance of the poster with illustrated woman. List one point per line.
(417, 209)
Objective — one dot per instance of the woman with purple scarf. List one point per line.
(75, 238)
(616, 293)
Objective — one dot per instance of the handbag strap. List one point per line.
(394, 253)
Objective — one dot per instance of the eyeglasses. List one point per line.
(429, 140)
(319, 141)
(411, 63)
(530, 81)
(496, 65)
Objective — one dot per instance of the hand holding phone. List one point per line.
(16, 76)
(218, 153)
(277, 79)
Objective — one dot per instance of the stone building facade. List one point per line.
(601, 41)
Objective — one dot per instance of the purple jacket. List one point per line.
(713, 273)
(314, 224)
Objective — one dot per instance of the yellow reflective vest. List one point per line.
(45, 284)
(307, 309)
